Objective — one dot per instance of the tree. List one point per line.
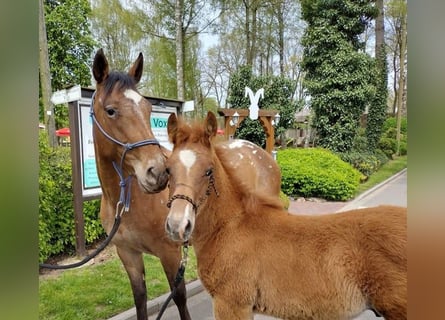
(179, 27)
(401, 80)
(277, 49)
(339, 75)
(115, 31)
(70, 46)
(396, 11)
(178, 22)
(378, 109)
(46, 106)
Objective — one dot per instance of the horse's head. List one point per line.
(122, 130)
(190, 167)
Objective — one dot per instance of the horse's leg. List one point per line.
(134, 265)
(170, 260)
(224, 310)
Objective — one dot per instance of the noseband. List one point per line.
(196, 205)
(124, 182)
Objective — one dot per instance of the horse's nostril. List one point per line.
(188, 227)
(168, 228)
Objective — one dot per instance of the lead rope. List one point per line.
(117, 220)
(179, 277)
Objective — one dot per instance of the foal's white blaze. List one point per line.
(187, 158)
(188, 217)
(178, 218)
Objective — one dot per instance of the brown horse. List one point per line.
(125, 148)
(254, 257)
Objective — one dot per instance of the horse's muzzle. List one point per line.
(180, 221)
(154, 183)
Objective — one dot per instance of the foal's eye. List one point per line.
(110, 111)
(209, 172)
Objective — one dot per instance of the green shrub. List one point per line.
(381, 156)
(366, 163)
(317, 173)
(403, 148)
(388, 146)
(56, 213)
(388, 142)
(391, 122)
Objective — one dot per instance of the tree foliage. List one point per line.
(70, 43)
(378, 109)
(70, 46)
(114, 28)
(339, 75)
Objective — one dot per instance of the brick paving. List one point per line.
(314, 206)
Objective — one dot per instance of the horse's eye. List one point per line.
(167, 170)
(209, 172)
(110, 111)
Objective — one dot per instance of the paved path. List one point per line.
(392, 191)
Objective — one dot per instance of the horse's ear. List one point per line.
(137, 67)
(211, 125)
(100, 66)
(172, 127)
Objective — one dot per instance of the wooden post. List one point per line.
(265, 117)
(79, 222)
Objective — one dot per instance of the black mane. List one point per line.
(123, 80)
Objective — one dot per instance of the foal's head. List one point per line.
(190, 166)
(124, 116)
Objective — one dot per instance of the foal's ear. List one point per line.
(172, 127)
(137, 67)
(211, 125)
(100, 66)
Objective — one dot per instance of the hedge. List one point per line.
(56, 213)
(316, 172)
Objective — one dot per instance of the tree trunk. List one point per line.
(280, 18)
(379, 30)
(179, 14)
(45, 78)
(253, 37)
(248, 32)
(401, 79)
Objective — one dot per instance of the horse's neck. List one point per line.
(109, 179)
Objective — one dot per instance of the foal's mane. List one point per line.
(192, 132)
(121, 79)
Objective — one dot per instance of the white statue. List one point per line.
(254, 99)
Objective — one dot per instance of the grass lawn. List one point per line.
(102, 290)
(386, 171)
